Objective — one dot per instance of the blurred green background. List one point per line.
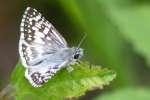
(118, 33)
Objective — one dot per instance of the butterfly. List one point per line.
(43, 50)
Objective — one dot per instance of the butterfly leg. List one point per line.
(78, 62)
(69, 69)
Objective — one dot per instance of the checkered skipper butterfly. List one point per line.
(43, 51)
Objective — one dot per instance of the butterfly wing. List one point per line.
(38, 39)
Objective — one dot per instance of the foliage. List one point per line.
(117, 33)
(132, 19)
(104, 43)
(63, 84)
(127, 94)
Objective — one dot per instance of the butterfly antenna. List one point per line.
(85, 35)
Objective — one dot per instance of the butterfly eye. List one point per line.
(76, 56)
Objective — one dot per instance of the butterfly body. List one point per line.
(43, 51)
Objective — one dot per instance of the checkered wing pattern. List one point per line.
(38, 39)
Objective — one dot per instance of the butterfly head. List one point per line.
(78, 53)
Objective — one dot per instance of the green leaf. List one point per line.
(133, 20)
(127, 94)
(104, 43)
(63, 84)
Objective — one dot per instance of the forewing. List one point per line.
(38, 38)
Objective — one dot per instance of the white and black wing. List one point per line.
(38, 37)
(38, 40)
